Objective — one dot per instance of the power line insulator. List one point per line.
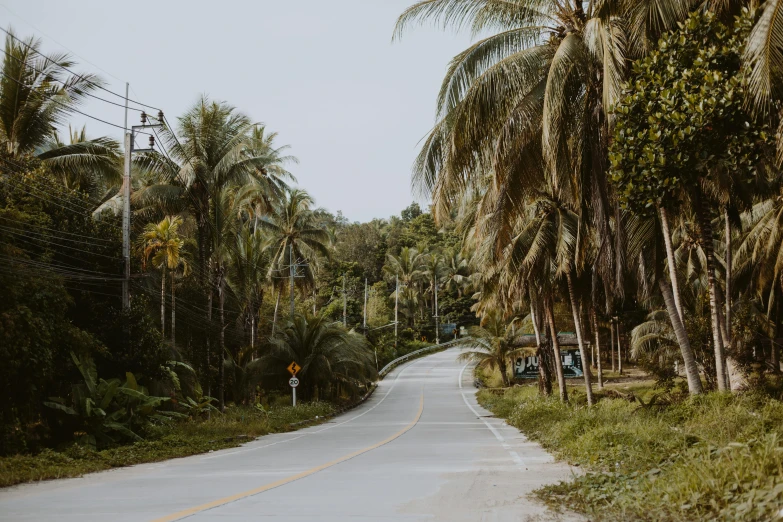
(152, 141)
(160, 116)
(143, 118)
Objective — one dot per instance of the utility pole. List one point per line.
(437, 331)
(365, 307)
(396, 306)
(126, 209)
(345, 306)
(126, 191)
(291, 271)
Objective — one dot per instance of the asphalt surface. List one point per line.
(420, 448)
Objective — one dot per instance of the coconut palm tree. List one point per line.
(214, 148)
(93, 166)
(37, 94)
(295, 237)
(332, 358)
(162, 246)
(490, 346)
(248, 270)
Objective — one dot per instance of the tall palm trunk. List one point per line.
(222, 370)
(544, 375)
(619, 349)
(667, 241)
(556, 351)
(579, 338)
(209, 337)
(503, 367)
(274, 317)
(173, 312)
(727, 231)
(600, 371)
(717, 338)
(163, 302)
(691, 367)
(611, 335)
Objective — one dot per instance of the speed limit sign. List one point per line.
(293, 382)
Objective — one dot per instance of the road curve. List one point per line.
(420, 449)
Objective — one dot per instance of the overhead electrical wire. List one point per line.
(77, 74)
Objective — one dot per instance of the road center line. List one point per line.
(239, 496)
(514, 455)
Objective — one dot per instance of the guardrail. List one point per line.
(399, 360)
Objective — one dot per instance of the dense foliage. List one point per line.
(216, 233)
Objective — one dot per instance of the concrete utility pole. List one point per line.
(345, 306)
(126, 209)
(396, 306)
(437, 331)
(126, 191)
(291, 272)
(364, 325)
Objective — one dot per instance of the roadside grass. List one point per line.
(178, 439)
(711, 457)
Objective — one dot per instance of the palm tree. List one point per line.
(248, 268)
(92, 166)
(214, 149)
(644, 246)
(490, 346)
(408, 269)
(162, 246)
(332, 358)
(294, 238)
(455, 271)
(37, 93)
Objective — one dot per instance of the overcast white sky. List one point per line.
(323, 73)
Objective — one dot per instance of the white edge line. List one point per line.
(514, 455)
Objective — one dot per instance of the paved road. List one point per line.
(420, 449)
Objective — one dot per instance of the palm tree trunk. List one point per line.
(600, 371)
(667, 240)
(209, 337)
(556, 352)
(775, 352)
(534, 320)
(274, 317)
(691, 367)
(707, 245)
(163, 302)
(611, 334)
(727, 231)
(579, 338)
(222, 370)
(173, 312)
(619, 349)
(503, 367)
(544, 375)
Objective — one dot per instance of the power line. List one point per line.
(25, 236)
(66, 106)
(76, 74)
(58, 43)
(71, 206)
(31, 224)
(25, 64)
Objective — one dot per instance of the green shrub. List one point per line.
(709, 457)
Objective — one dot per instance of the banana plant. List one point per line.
(108, 410)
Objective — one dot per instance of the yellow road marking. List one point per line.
(222, 501)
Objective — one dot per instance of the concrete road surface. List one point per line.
(419, 449)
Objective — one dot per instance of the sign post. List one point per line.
(293, 382)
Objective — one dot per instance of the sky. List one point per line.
(324, 74)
